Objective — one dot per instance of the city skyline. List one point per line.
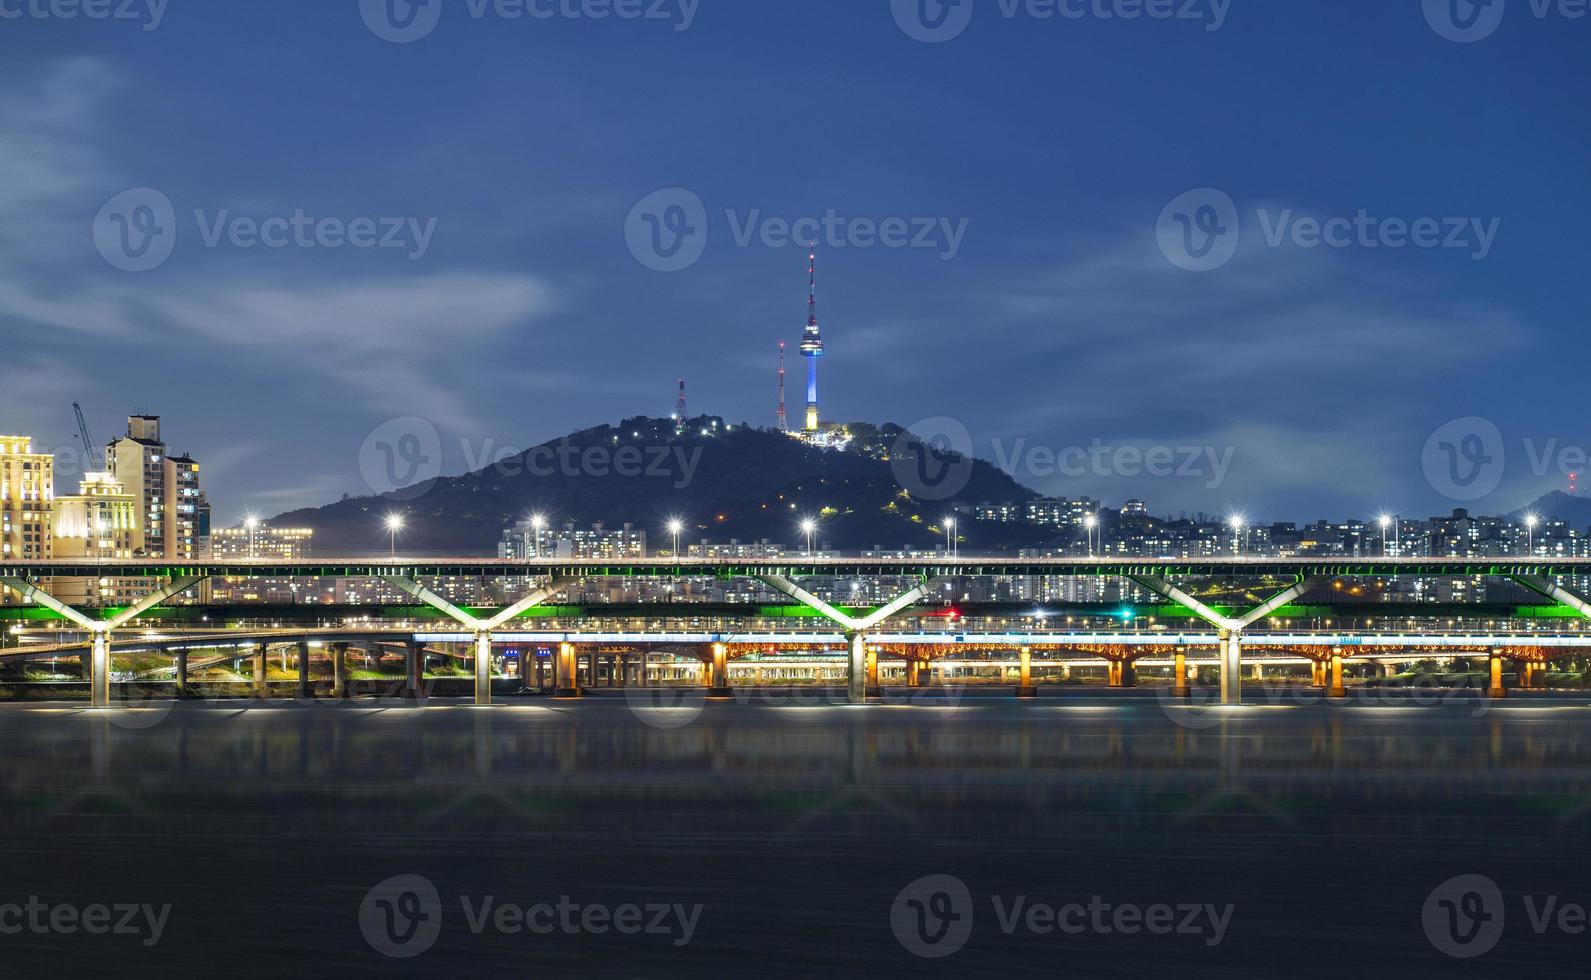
(1057, 325)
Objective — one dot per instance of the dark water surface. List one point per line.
(798, 829)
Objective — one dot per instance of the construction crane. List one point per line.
(91, 458)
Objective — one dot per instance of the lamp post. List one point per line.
(538, 523)
(675, 526)
(251, 524)
(809, 527)
(1237, 533)
(1089, 524)
(1531, 520)
(394, 524)
(950, 537)
(1389, 521)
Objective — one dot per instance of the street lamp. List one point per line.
(950, 537)
(675, 526)
(394, 524)
(1090, 523)
(1531, 520)
(1389, 521)
(538, 523)
(251, 524)
(809, 527)
(1237, 530)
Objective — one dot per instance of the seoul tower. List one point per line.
(812, 340)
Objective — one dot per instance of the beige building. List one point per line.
(27, 494)
(100, 522)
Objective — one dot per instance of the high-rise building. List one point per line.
(27, 493)
(812, 342)
(173, 515)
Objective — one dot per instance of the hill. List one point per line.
(724, 481)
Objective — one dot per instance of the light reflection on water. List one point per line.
(797, 825)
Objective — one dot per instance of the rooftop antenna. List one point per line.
(679, 406)
(784, 419)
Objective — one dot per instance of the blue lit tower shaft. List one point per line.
(812, 341)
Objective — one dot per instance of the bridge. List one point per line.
(860, 634)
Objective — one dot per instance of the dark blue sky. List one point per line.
(1051, 145)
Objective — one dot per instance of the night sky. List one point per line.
(1035, 293)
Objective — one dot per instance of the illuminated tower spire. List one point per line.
(784, 419)
(679, 406)
(812, 340)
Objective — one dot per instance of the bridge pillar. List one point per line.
(1317, 673)
(1024, 687)
(1129, 674)
(303, 670)
(1496, 689)
(720, 687)
(873, 690)
(856, 669)
(182, 673)
(1337, 688)
(413, 669)
(566, 680)
(99, 669)
(339, 670)
(914, 669)
(1527, 675)
(483, 669)
(1231, 667)
(261, 653)
(1179, 675)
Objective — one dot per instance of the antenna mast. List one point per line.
(784, 419)
(679, 406)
